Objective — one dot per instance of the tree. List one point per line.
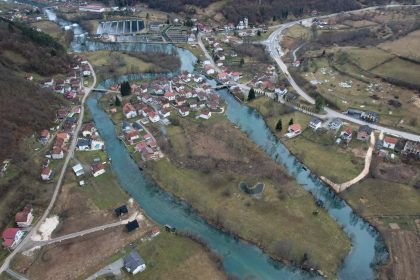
(125, 88)
(242, 62)
(291, 121)
(259, 33)
(279, 125)
(117, 101)
(319, 103)
(251, 94)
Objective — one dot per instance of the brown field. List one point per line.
(406, 46)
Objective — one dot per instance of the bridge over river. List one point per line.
(120, 27)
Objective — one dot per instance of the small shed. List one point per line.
(130, 226)
(121, 210)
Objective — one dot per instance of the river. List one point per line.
(239, 258)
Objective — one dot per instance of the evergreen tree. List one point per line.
(291, 121)
(242, 62)
(279, 125)
(125, 88)
(319, 103)
(251, 94)
(117, 101)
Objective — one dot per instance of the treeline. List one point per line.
(25, 108)
(25, 49)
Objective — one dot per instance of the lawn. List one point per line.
(170, 256)
(405, 46)
(377, 197)
(400, 70)
(368, 58)
(111, 63)
(315, 149)
(104, 190)
(49, 27)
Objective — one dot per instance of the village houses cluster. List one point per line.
(153, 102)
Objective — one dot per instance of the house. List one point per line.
(153, 117)
(57, 153)
(346, 135)
(205, 114)
(24, 218)
(235, 76)
(335, 124)
(46, 174)
(390, 142)
(78, 170)
(170, 96)
(97, 169)
(184, 111)
(83, 144)
(154, 232)
(164, 113)
(121, 210)
(134, 263)
(88, 130)
(364, 132)
(132, 225)
(12, 237)
(132, 135)
(180, 100)
(64, 136)
(294, 130)
(129, 111)
(147, 137)
(44, 136)
(315, 123)
(140, 146)
(96, 144)
(412, 148)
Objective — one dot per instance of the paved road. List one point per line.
(70, 154)
(111, 269)
(15, 274)
(274, 48)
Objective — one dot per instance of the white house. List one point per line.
(12, 237)
(25, 217)
(390, 142)
(129, 111)
(134, 263)
(57, 153)
(97, 169)
(315, 123)
(153, 117)
(205, 114)
(78, 170)
(184, 111)
(164, 113)
(46, 174)
(96, 144)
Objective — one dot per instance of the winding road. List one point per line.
(70, 154)
(275, 51)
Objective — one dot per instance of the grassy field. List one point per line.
(169, 256)
(104, 190)
(283, 214)
(110, 63)
(317, 150)
(377, 197)
(367, 58)
(405, 46)
(401, 70)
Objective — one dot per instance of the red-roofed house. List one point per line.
(205, 114)
(129, 111)
(184, 111)
(57, 153)
(170, 96)
(153, 117)
(132, 135)
(46, 174)
(12, 237)
(390, 142)
(97, 169)
(140, 146)
(294, 130)
(25, 217)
